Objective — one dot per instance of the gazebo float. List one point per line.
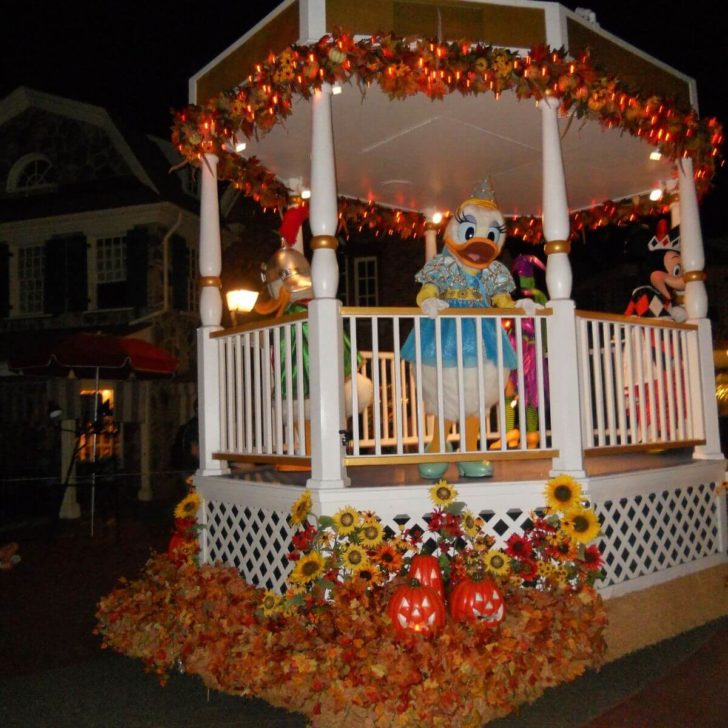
(519, 118)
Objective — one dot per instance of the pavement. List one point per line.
(53, 673)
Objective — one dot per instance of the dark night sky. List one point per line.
(136, 63)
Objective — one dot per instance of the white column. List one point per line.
(208, 372)
(325, 335)
(696, 305)
(561, 325)
(430, 241)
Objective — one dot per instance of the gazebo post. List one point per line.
(430, 240)
(325, 335)
(208, 365)
(563, 361)
(696, 305)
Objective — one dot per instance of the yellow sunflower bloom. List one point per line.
(346, 520)
(355, 558)
(496, 562)
(563, 493)
(308, 568)
(188, 506)
(442, 493)
(371, 534)
(271, 603)
(470, 524)
(581, 524)
(301, 508)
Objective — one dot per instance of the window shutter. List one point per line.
(76, 273)
(54, 284)
(137, 258)
(4, 280)
(180, 273)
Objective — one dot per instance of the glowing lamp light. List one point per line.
(336, 89)
(655, 156)
(656, 194)
(240, 301)
(305, 194)
(436, 218)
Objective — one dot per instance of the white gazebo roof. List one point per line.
(419, 153)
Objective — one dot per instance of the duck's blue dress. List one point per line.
(462, 290)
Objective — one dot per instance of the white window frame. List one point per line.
(16, 293)
(371, 297)
(20, 168)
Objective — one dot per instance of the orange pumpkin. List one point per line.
(415, 607)
(476, 600)
(426, 569)
(176, 548)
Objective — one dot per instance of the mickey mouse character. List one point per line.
(662, 266)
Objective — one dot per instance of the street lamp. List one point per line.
(240, 301)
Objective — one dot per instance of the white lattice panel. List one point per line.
(255, 541)
(653, 532)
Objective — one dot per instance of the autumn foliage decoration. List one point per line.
(402, 68)
(330, 648)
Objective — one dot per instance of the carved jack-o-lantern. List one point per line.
(476, 600)
(415, 607)
(426, 569)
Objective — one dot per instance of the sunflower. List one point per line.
(496, 562)
(346, 520)
(301, 508)
(581, 524)
(470, 524)
(371, 533)
(388, 557)
(547, 569)
(518, 547)
(308, 568)
(371, 575)
(271, 603)
(442, 493)
(188, 506)
(563, 549)
(563, 493)
(355, 558)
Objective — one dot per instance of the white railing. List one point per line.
(639, 381)
(398, 423)
(638, 386)
(260, 413)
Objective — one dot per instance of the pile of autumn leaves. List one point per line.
(338, 661)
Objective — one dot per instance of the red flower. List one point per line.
(592, 558)
(527, 569)
(436, 521)
(518, 547)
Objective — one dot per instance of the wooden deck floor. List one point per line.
(504, 471)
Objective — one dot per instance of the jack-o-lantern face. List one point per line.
(426, 569)
(477, 601)
(415, 607)
(476, 233)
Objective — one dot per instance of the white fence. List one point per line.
(638, 385)
(640, 382)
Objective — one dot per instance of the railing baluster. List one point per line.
(399, 412)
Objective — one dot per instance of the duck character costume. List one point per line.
(287, 277)
(465, 274)
(662, 269)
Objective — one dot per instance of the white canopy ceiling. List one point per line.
(422, 154)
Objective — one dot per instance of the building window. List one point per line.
(31, 273)
(111, 272)
(365, 281)
(32, 173)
